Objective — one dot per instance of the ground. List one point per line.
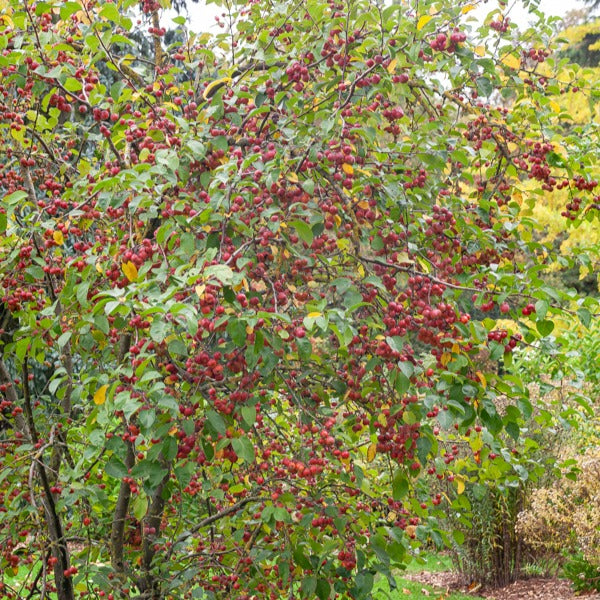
(537, 588)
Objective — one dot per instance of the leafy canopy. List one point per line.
(250, 278)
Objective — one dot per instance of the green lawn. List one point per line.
(430, 562)
(408, 589)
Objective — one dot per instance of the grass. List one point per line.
(428, 561)
(413, 590)
(408, 589)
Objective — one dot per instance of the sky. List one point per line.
(202, 15)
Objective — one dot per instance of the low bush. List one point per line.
(566, 516)
(584, 575)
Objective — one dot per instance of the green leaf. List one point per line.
(458, 536)
(222, 273)
(249, 415)
(151, 471)
(308, 185)
(243, 447)
(304, 231)
(364, 581)
(300, 559)
(424, 446)
(400, 485)
(492, 421)
(304, 348)
(63, 340)
(15, 197)
(541, 308)
(159, 329)
(110, 12)
(323, 589)
(308, 586)
(484, 86)
(585, 316)
(140, 506)
(545, 327)
(555, 160)
(216, 421)
(68, 9)
(513, 430)
(116, 468)
(401, 384)
(237, 331)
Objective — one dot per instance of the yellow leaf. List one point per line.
(460, 486)
(445, 358)
(199, 289)
(482, 379)
(343, 243)
(293, 177)
(58, 237)
(215, 84)
(382, 419)
(423, 21)
(391, 516)
(242, 284)
(173, 431)
(555, 106)
(479, 50)
(371, 452)
(392, 66)
(314, 314)
(249, 330)
(348, 169)
(511, 61)
(363, 204)
(129, 270)
(404, 258)
(424, 264)
(100, 395)
(468, 8)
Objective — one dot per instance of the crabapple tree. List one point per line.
(247, 279)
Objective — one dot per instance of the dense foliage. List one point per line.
(251, 279)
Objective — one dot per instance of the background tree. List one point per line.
(241, 275)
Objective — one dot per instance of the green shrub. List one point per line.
(584, 575)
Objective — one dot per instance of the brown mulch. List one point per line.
(538, 588)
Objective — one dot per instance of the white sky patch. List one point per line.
(201, 17)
